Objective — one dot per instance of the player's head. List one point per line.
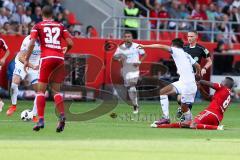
(177, 42)
(228, 82)
(192, 36)
(127, 37)
(47, 12)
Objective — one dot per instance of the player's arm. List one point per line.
(208, 61)
(69, 42)
(21, 57)
(7, 53)
(157, 46)
(198, 70)
(207, 83)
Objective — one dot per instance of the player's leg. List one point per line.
(14, 92)
(133, 95)
(164, 92)
(32, 78)
(206, 120)
(40, 103)
(1, 105)
(34, 109)
(59, 103)
(187, 99)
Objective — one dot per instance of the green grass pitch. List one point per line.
(125, 137)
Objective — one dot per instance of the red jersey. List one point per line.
(3, 47)
(220, 100)
(50, 34)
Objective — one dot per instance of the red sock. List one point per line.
(205, 126)
(40, 102)
(59, 103)
(172, 125)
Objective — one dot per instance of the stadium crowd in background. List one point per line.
(17, 17)
(212, 10)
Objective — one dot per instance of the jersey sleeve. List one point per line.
(205, 53)
(117, 51)
(141, 51)
(3, 45)
(24, 45)
(192, 61)
(66, 34)
(34, 32)
(217, 86)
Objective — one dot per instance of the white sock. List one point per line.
(165, 105)
(132, 92)
(14, 88)
(34, 110)
(188, 115)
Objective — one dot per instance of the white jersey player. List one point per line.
(19, 74)
(131, 57)
(186, 86)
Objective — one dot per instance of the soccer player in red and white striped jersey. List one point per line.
(50, 35)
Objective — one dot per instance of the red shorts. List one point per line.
(207, 117)
(51, 70)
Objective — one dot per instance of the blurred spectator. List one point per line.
(236, 3)
(6, 29)
(159, 12)
(131, 21)
(34, 4)
(37, 16)
(174, 13)
(28, 15)
(20, 17)
(227, 36)
(91, 32)
(57, 7)
(3, 17)
(211, 12)
(184, 14)
(150, 4)
(235, 17)
(9, 4)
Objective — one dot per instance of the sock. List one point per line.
(205, 126)
(59, 103)
(34, 110)
(132, 92)
(41, 102)
(188, 115)
(14, 93)
(172, 125)
(165, 105)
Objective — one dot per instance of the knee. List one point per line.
(14, 86)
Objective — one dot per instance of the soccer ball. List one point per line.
(26, 115)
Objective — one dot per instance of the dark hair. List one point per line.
(47, 11)
(193, 31)
(127, 32)
(231, 82)
(178, 42)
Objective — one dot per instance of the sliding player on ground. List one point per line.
(50, 35)
(212, 116)
(20, 74)
(186, 86)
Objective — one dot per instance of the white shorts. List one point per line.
(186, 90)
(130, 78)
(31, 75)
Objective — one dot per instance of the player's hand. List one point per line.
(198, 76)
(64, 49)
(26, 64)
(36, 67)
(140, 46)
(2, 61)
(203, 72)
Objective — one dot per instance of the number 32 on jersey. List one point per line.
(52, 35)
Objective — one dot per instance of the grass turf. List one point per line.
(126, 137)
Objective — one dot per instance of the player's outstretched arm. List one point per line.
(206, 83)
(157, 46)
